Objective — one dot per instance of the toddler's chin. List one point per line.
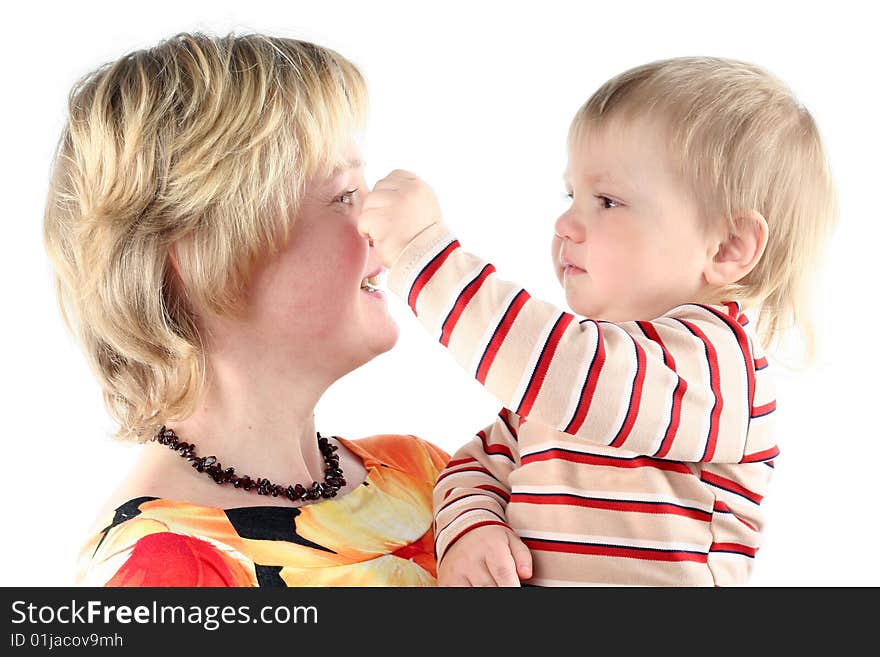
(579, 307)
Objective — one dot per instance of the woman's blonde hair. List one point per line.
(201, 143)
(741, 141)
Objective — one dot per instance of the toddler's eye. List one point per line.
(347, 198)
(608, 203)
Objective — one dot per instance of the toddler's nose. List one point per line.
(565, 227)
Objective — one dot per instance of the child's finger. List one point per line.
(452, 581)
(522, 557)
(365, 225)
(480, 578)
(402, 174)
(395, 180)
(502, 567)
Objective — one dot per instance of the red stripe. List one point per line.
(537, 380)
(449, 502)
(589, 388)
(761, 363)
(675, 421)
(646, 554)
(596, 459)
(732, 308)
(471, 528)
(566, 499)
(715, 379)
(757, 411)
(464, 512)
(504, 414)
(721, 506)
(451, 464)
(428, 273)
(500, 333)
(766, 455)
(494, 489)
(449, 473)
(635, 398)
(743, 341)
(729, 484)
(494, 448)
(461, 303)
(677, 394)
(733, 547)
(651, 333)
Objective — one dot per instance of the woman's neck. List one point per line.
(258, 420)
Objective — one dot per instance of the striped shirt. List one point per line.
(633, 453)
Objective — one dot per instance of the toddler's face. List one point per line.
(631, 245)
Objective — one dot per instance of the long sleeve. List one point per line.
(473, 490)
(680, 387)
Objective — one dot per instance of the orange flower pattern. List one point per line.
(379, 534)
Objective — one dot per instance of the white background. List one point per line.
(475, 97)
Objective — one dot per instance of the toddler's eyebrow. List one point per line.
(600, 178)
(595, 179)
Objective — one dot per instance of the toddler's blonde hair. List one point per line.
(203, 144)
(741, 141)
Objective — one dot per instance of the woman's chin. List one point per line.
(388, 338)
(381, 337)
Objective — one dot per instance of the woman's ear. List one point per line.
(736, 254)
(172, 257)
(175, 275)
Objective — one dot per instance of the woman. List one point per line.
(202, 222)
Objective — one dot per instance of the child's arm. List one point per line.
(473, 542)
(681, 387)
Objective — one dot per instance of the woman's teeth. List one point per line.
(371, 283)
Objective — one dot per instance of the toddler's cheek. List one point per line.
(555, 246)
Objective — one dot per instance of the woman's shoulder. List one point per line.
(151, 541)
(402, 452)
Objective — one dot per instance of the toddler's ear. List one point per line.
(736, 255)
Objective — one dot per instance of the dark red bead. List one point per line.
(209, 465)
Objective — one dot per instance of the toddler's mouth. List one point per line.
(571, 270)
(568, 268)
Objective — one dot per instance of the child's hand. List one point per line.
(487, 556)
(400, 207)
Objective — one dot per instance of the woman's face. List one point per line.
(309, 301)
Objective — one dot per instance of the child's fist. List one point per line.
(490, 555)
(400, 207)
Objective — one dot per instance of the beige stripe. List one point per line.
(491, 326)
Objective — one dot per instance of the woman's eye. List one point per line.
(347, 198)
(607, 203)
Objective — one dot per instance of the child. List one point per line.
(635, 445)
